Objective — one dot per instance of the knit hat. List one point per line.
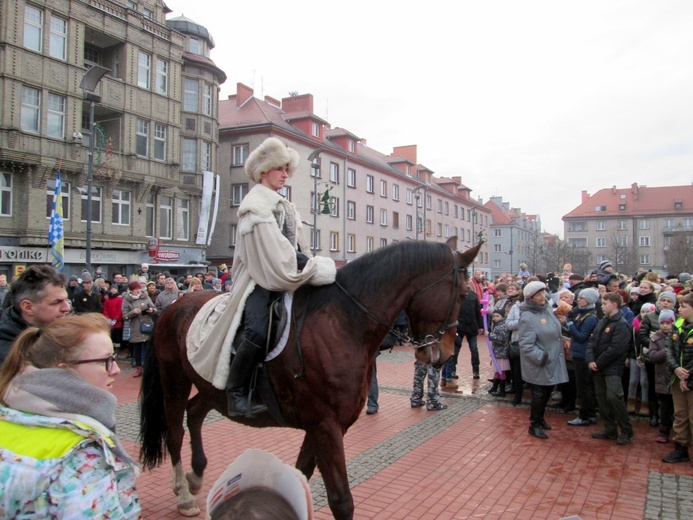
(667, 316)
(590, 295)
(605, 264)
(86, 277)
(74, 278)
(649, 307)
(634, 290)
(272, 153)
(533, 288)
(228, 281)
(684, 277)
(498, 311)
(667, 294)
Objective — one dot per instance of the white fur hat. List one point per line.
(272, 153)
(533, 288)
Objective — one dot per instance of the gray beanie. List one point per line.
(590, 295)
(533, 288)
(684, 277)
(667, 294)
(667, 316)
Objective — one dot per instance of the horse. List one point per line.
(343, 324)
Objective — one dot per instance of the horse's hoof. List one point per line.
(194, 482)
(189, 509)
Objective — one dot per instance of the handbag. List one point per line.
(146, 325)
(126, 330)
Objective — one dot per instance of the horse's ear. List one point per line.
(470, 254)
(452, 243)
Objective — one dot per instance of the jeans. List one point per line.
(373, 390)
(585, 389)
(472, 341)
(450, 367)
(612, 408)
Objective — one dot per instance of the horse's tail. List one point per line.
(153, 426)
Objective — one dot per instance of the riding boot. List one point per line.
(241, 371)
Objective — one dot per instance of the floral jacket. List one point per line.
(54, 468)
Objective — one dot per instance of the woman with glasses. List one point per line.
(59, 455)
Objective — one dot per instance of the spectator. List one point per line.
(606, 356)
(647, 295)
(143, 272)
(38, 297)
(72, 287)
(161, 282)
(86, 299)
(657, 355)
(605, 272)
(541, 353)
(421, 370)
(469, 325)
(137, 308)
(59, 454)
(152, 291)
(228, 283)
(512, 322)
(4, 289)
(168, 296)
(195, 285)
(500, 339)
(113, 310)
(208, 282)
(223, 273)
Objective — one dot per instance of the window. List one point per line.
(351, 243)
(315, 168)
(206, 160)
(369, 214)
(159, 142)
(440, 229)
(644, 259)
(409, 222)
(351, 178)
(446, 208)
(334, 173)
(334, 207)
(207, 99)
(161, 86)
(496, 232)
(409, 197)
(240, 154)
(142, 137)
(315, 240)
(369, 244)
(58, 44)
(143, 70)
(601, 258)
(644, 224)
(577, 242)
(50, 192)
(55, 120)
(95, 203)
(678, 204)
(577, 226)
(497, 248)
(189, 158)
(446, 231)
(395, 220)
(496, 264)
(191, 87)
(428, 202)
(6, 194)
(315, 129)
(383, 242)
(165, 217)
(395, 192)
(285, 192)
(622, 241)
(183, 219)
(369, 183)
(669, 223)
(601, 242)
(383, 217)
(148, 13)
(644, 241)
(31, 109)
(600, 208)
(622, 207)
(149, 216)
(352, 146)
(383, 188)
(622, 225)
(601, 225)
(238, 191)
(351, 210)
(440, 206)
(33, 28)
(234, 232)
(419, 202)
(121, 208)
(334, 241)
(195, 46)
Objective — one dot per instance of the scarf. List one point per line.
(61, 393)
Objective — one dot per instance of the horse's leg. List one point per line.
(198, 408)
(306, 457)
(332, 463)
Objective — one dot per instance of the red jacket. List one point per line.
(113, 310)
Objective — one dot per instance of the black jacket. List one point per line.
(11, 325)
(609, 345)
(469, 317)
(83, 301)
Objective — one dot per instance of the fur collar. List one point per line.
(261, 201)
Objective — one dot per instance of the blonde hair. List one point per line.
(195, 281)
(58, 342)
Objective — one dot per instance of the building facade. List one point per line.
(352, 198)
(636, 228)
(156, 131)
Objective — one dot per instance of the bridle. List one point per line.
(429, 339)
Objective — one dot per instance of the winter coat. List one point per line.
(657, 355)
(11, 325)
(84, 301)
(628, 315)
(541, 346)
(512, 320)
(130, 303)
(61, 469)
(648, 326)
(165, 299)
(469, 317)
(609, 345)
(500, 338)
(113, 310)
(636, 305)
(268, 235)
(580, 331)
(679, 348)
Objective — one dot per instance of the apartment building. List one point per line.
(636, 228)
(352, 198)
(156, 132)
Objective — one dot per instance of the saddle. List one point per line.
(278, 318)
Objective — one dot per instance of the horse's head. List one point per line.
(433, 308)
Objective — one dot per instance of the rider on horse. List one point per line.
(271, 255)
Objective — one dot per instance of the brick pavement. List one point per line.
(473, 460)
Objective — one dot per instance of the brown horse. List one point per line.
(343, 325)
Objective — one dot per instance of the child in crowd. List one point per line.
(656, 354)
(638, 371)
(500, 339)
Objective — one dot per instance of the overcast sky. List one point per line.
(530, 100)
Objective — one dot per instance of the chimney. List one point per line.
(585, 196)
(408, 152)
(243, 93)
(458, 180)
(613, 189)
(298, 103)
(634, 189)
(272, 101)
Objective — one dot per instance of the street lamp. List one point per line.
(315, 169)
(88, 85)
(417, 196)
(512, 268)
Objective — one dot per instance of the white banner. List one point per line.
(205, 206)
(216, 210)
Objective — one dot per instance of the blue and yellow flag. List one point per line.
(55, 230)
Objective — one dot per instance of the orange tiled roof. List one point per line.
(639, 200)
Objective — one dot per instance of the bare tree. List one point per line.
(535, 254)
(679, 254)
(622, 254)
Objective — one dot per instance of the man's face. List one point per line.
(87, 286)
(478, 275)
(608, 307)
(170, 285)
(3, 281)
(612, 285)
(117, 278)
(665, 303)
(52, 306)
(160, 279)
(686, 312)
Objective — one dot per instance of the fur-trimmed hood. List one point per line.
(272, 153)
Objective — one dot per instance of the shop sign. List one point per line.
(165, 255)
(15, 254)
